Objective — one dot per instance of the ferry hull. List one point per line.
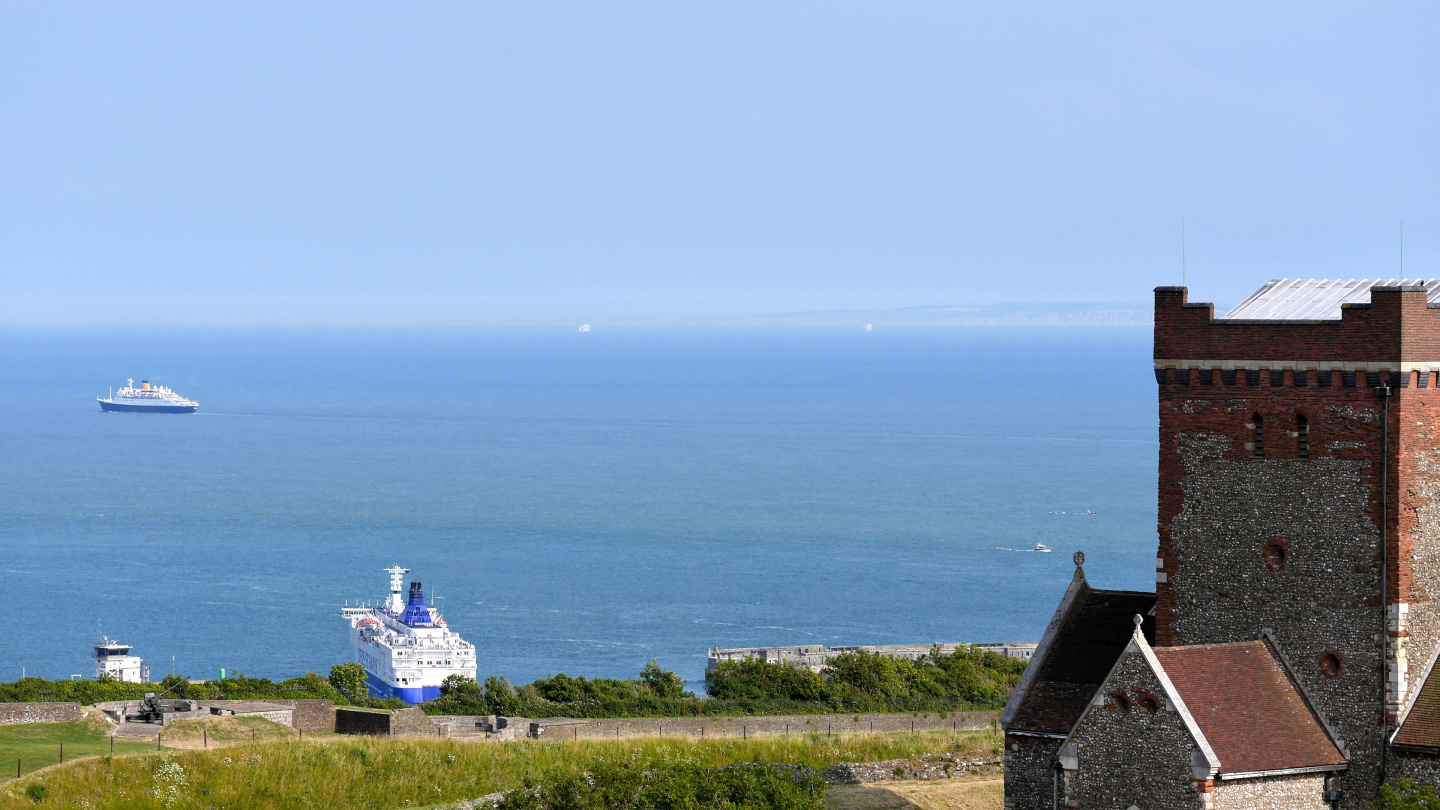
(409, 694)
(119, 407)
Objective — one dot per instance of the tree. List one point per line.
(500, 697)
(460, 686)
(662, 682)
(349, 680)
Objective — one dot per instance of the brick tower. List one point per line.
(1299, 535)
(1299, 460)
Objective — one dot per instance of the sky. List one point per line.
(537, 162)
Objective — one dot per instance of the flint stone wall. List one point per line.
(1423, 768)
(1298, 792)
(1132, 757)
(1220, 509)
(16, 713)
(1029, 775)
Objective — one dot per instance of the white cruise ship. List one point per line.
(405, 646)
(147, 399)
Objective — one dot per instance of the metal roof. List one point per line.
(1317, 299)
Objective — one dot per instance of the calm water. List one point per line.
(580, 502)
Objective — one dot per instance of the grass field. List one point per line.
(379, 774)
(37, 745)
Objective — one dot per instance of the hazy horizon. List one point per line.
(644, 162)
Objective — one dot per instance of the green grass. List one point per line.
(226, 730)
(37, 745)
(379, 774)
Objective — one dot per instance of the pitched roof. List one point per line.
(1247, 707)
(1317, 299)
(1088, 642)
(1421, 727)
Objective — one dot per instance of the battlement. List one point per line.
(1399, 324)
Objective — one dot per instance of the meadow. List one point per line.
(380, 774)
(37, 745)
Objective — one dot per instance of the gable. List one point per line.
(1087, 641)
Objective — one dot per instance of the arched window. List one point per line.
(1258, 448)
(1302, 436)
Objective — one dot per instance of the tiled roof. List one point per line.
(1301, 299)
(1245, 704)
(1422, 725)
(1090, 640)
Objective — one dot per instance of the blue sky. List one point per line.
(513, 162)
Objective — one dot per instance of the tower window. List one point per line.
(1276, 555)
(1302, 436)
(1258, 449)
(1330, 664)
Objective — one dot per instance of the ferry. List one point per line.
(146, 399)
(405, 646)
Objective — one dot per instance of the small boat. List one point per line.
(1042, 548)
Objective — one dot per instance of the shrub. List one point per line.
(1408, 795)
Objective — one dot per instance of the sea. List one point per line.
(578, 502)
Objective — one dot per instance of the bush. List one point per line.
(1408, 795)
(609, 785)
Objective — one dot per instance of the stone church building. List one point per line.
(1285, 658)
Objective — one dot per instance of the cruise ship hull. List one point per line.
(412, 695)
(121, 407)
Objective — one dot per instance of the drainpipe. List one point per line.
(1384, 392)
(1055, 784)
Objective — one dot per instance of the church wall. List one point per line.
(1224, 514)
(1125, 757)
(1029, 772)
(1423, 768)
(1298, 792)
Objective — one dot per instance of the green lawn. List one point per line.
(37, 745)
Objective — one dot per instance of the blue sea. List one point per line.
(577, 502)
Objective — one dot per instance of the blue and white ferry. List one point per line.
(405, 646)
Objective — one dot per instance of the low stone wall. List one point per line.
(16, 713)
(564, 728)
(934, 766)
(407, 722)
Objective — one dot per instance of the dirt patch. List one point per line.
(955, 794)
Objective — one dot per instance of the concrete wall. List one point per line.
(310, 716)
(16, 713)
(361, 721)
(407, 722)
(1298, 792)
(559, 728)
(1030, 782)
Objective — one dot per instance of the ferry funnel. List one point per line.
(416, 613)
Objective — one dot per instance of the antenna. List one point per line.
(1182, 254)
(1402, 248)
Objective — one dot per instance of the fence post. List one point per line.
(828, 727)
(62, 753)
(744, 732)
(205, 737)
(17, 767)
(112, 745)
(157, 739)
